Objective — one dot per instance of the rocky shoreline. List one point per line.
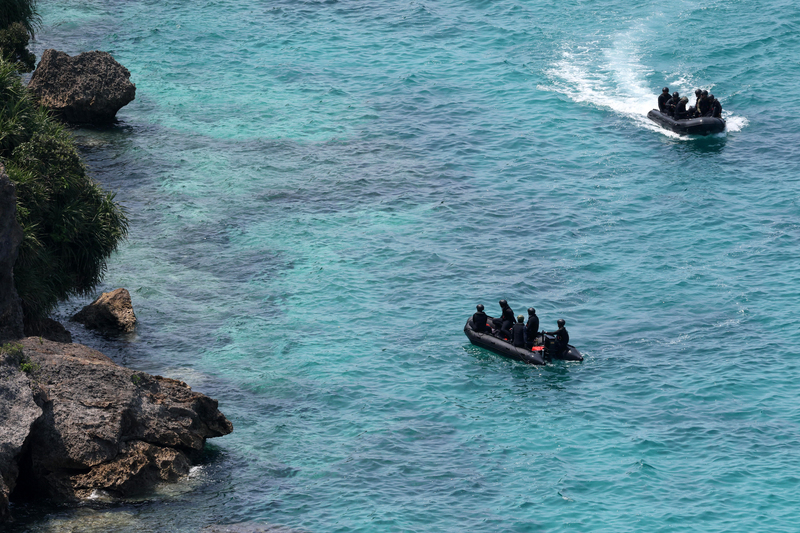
(77, 423)
(74, 424)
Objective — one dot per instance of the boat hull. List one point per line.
(691, 126)
(537, 356)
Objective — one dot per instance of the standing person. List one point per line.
(716, 107)
(479, 320)
(663, 98)
(518, 333)
(532, 327)
(562, 336)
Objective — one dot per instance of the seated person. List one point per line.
(680, 109)
(562, 336)
(703, 106)
(663, 98)
(672, 102)
(479, 320)
(716, 107)
(693, 110)
(532, 327)
(506, 319)
(518, 332)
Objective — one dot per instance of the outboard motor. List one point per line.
(550, 347)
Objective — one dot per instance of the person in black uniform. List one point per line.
(672, 102)
(506, 319)
(479, 320)
(680, 109)
(703, 106)
(532, 327)
(562, 337)
(662, 99)
(518, 332)
(716, 107)
(693, 110)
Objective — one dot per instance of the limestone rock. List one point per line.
(17, 415)
(137, 467)
(10, 239)
(110, 428)
(87, 88)
(112, 311)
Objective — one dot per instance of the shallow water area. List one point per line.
(320, 193)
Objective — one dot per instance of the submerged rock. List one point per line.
(10, 238)
(107, 428)
(88, 88)
(112, 311)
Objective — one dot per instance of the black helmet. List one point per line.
(711, 97)
(665, 90)
(531, 311)
(561, 322)
(479, 307)
(503, 304)
(698, 92)
(705, 93)
(675, 94)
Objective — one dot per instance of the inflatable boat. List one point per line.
(687, 126)
(543, 347)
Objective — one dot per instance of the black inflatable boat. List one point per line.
(687, 126)
(542, 351)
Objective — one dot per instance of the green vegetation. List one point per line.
(27, 366)
(71, 225)
(136, 379)
(14, 47)
(18, 21)
(21, 11)
(13, 349)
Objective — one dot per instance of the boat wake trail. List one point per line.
(614, 78)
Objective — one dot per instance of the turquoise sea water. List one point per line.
(320, 192)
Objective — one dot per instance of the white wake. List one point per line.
(614, 78)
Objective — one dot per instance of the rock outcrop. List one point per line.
(99, 426)
(10, 238)
(18, 412)
(112, 311)
(88, 88)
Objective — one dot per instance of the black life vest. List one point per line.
(479, 321)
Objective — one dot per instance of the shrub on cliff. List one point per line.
(22, 11)
(71, 225)
(18, 21)
(14, 47)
